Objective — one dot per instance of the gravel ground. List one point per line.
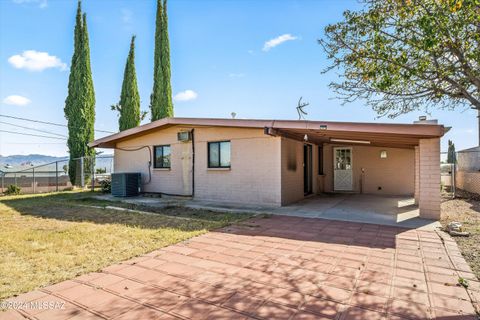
(467, 211)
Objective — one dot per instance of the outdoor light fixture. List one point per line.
(323, 127)
(383, 154)
(305, 137)
(350, 141)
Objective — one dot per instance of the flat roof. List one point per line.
(410, 133)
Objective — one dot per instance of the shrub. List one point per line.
(106, 186)
(12, 190)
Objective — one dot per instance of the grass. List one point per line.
(466, 211)
(48, 238)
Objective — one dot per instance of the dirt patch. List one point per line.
(467, 211)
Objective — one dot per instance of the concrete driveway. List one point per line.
(275, 268)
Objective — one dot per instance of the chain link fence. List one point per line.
(54, 176)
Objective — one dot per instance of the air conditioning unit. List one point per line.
(184, 136)
(126, 184)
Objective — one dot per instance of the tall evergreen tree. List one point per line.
(161, 104)
(451, 154)
(80, 102)
(129, 105)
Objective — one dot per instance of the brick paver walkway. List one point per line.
(276, 268)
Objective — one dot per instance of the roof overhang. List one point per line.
(377, 134)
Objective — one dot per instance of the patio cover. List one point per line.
(318, 132)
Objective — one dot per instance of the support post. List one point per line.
(417, 174)
(429, 200)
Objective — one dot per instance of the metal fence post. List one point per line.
(16, 179)
(454, 182)
(82, 173)
(56, 176)
(92, 165)
(33, 182)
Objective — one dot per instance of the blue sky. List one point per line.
(221, 63)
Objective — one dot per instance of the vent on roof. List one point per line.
(423, 120)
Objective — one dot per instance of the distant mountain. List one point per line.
(28, 160)
(21, 162)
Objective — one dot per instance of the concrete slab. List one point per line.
(383, 210)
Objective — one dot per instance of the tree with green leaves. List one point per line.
(161, 105)
(129, 105)
(451, 154)
(80, 102)
(407, 55)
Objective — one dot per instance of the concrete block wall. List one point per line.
(254, 176)
(292, 170)
(394, 175)
(429, 197)
(176, 180)
(468, 181)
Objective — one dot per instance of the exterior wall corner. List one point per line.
(429, 182)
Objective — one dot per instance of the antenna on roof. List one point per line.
(300, 111)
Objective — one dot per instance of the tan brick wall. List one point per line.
(292, 170)
(254, 176)
(176, 180)
(468, 181)
(429, 200)
(417, 174)
(395, 174)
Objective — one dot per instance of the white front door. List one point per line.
(342, 168)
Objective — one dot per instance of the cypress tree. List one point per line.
(80, 102)
(129, 105)
(451, 154)
(161, 104)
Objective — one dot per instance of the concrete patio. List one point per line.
(399, 211)
(279, 267)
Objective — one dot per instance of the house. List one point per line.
(467, 175)
(469, 159)
(278, 162)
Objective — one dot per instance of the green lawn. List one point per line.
(48, 238)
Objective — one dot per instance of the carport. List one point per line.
(376, 159)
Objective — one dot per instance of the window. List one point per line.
(219, 154)
(320, 160)
(161, 157)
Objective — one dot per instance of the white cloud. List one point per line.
(236, 75)
(32, 60)
(278, 40)
(41, 3)
(186, 95)
(15, 100)
(127, 16)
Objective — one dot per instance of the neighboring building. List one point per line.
(467, 176)
(277, 162)
(469, 159)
